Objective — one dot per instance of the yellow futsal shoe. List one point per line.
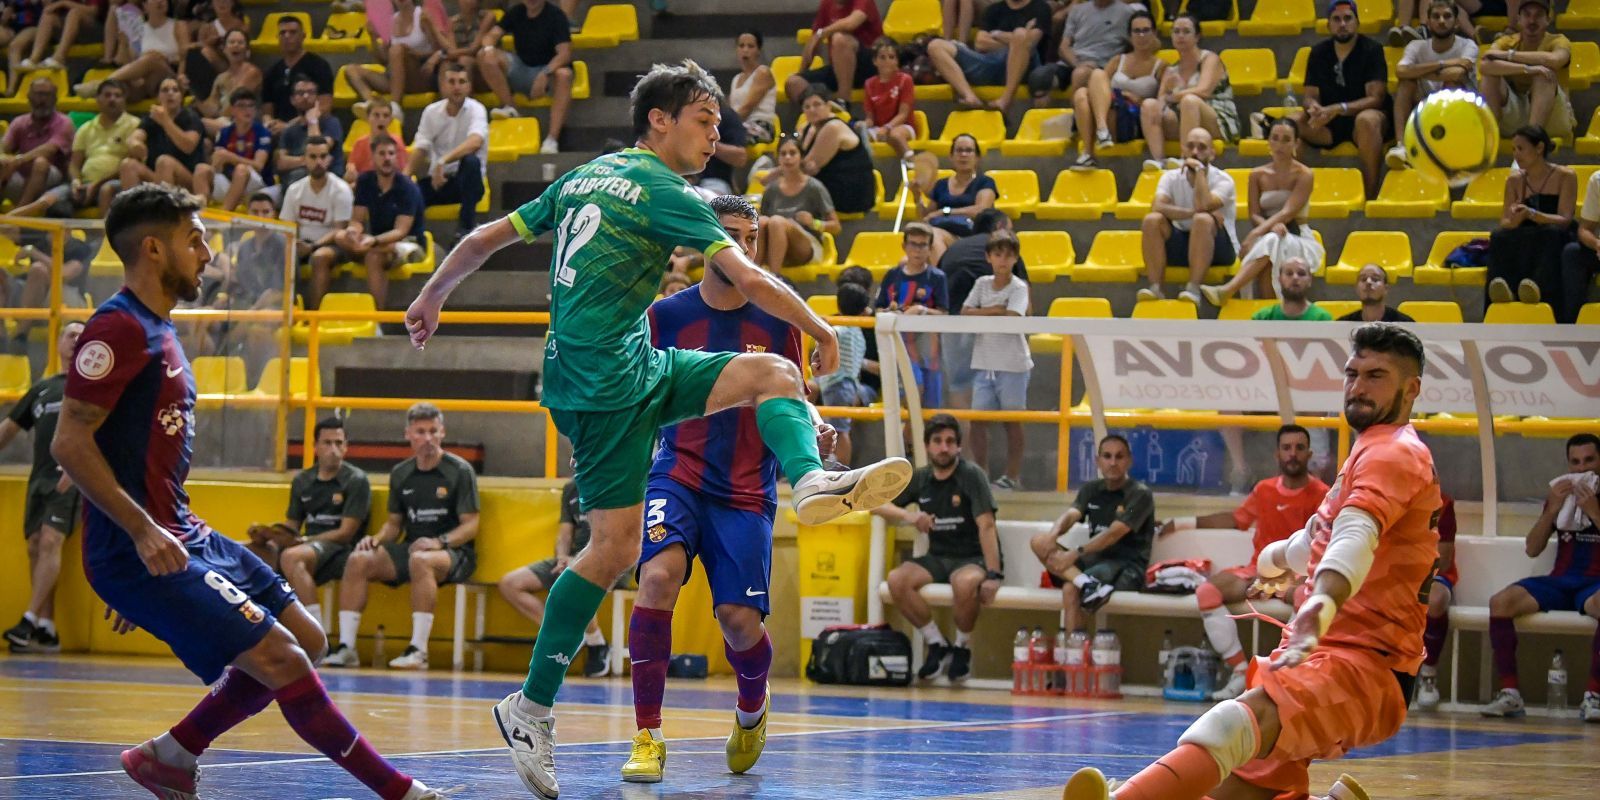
(1087, 784)
(648, 760)
(1346, 788)
(745, 744)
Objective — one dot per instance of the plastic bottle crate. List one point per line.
(1066, 681)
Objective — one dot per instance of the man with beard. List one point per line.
(1277, 507)
(1372, 286)
(1343, 671)
(1294, 287)
(319, 205)
(1346, 90)
(1191, 220)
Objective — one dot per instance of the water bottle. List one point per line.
(1019, 646)
(1205, 674)
(1101, 654)
(379, 658)
(1164, 657)
(1039, 647)
(1556, 698)
(1061, 646)
(1111, 678)
(1077, 651)
(1290, 101)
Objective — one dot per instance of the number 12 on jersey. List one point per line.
(575, 231)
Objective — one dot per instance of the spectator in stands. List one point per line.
(1001, 362)
(413, 52)
(1524, 74)
(30, 287)
(380, 117)
(1279, 203)
(729, 154)
(277, 89)
(1441, 593)
(240, 159)
(1119, 88)
(384, 229)
(1294, 296)
(66, 17)
(1195, 93)
(1402, 33)
(1277, 508)
(1095, 33)
(890, 101)
(124, 22)
(950, 205)
(467, 27)
(1444, 60)
(1191, 220)
(328, 506)
(832, 152)
(1536, 223)
(1346, 89)
(1572, 514)
(842, 387)
(754, 92)
(521, 586)
(169, 145)
(34, 153)
(871, 383)
(796, 210)
(1372, 286)
(539, 63)
(1009, 46)
(319, 205)
(209, 23)
(433, 504)
(237, 73)
(289, 158)
(161, 47)
(915, 286)
(845, 30)
(19, 24)
(963, 263)
(673, 282)
(452, 149)
(956, 510)
(97, 152)
(1119, 511)
(1580, 259)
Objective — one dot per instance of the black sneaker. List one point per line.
(45, 641)
(933, 664)
(597, 660)
(1094, 594)
(960, 664)
(21, 635)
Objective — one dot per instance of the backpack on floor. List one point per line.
(861, 655)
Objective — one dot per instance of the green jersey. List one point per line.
(1274, 313)
(616, 219)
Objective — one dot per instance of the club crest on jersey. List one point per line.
(171, 419)
(95, 360)
(441, 492)
(658, 532)
(955, 500)
(252, 612)
(338, 497)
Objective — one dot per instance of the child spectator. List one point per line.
(240, 157)
(841, 387)
(380, 117)
(1001, 362)
(890, 100)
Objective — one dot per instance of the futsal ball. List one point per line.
(1452, 134)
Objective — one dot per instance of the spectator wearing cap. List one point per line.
(1524, 72)
(1346, 93)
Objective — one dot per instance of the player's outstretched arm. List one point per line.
(75, 450)
(422, 318)
(772, 296)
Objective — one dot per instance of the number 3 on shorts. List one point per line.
(575, 231)
(224, 587)
(656, 512)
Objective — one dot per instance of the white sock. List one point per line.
(349, 628)
(962, 638)
(655, 733)
(1222, 631)
(1082, 580)
(315, 610)
(531, 709)
(48, 626)
(746, 719)
(31, 618)
(594, 638)
(421, 629)
(168, 751)
(1427, 672)
(932, 633)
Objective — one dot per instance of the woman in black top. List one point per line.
(836, 156)
(1525, 252)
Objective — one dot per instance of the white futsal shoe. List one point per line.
(821, 497)
(532, 741)
(1346, 788)
(419, 791)
(1235, 686)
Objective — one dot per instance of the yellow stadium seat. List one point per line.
(1435, 273)
(826, 305)
(784, 66)
(450, 211)
(1485, 196)
(1048, 254)
(1030, 141)
(1238, 308)
(934, 92)
(1339, 308)
(989, 127)
(360, 128)
(1409, 193)
(511, 139)
(1251, 71)
(344, 95)
(16, 374)
(105, 261)
(1374, 16)
(1581, 15)
(1165, 309)
(580, 90)
(1280, 18)
(1114, 257)
(1018, 190)
(1589, 314)
(338, 332)
(1336, 192)
(267, 39)
(271, 381)
(876, 250)
(1519, 314)
(1241, 191)
(219, 375)
(1296, 79)
(1431, 311)
(607, 26)
(908, 19)
(1071, 308)
(345, 32)
(1585, 66)
(1139, 200)
(1388, 249)
(1208, 28)
(919, 123)
(1080, 194)
(1589, 144)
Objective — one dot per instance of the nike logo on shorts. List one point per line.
(752, 593)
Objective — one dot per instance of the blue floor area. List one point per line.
(949, 748)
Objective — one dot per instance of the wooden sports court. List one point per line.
(63, 720)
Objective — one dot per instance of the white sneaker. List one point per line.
(1189, 296)
(1152, 165)
(341, 656)
(1396, 157)
(1508, 703)
(532, 742)
(26, 63)
(50, 62)
(1346, 788)
(1173, 163)
(1147, 293)
(419, 791)
(412, 658)
(1214, 295)
(1235, 685)
(821, 496)
(504, 112)
(1427, 693)
(409, 252)
(359, 110)
(550, 146)
(1589, 710)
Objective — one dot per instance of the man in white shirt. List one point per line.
(318, 204)
(1581, 259)
(1444, 60)
(451, 148)
(1191, 220)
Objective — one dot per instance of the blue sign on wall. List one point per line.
(1190, 460)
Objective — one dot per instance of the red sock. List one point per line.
(313, 716)
(234, 699)
(650, 648)
(1503, 640)
(1186, 773)
(1594, 663)
(751, 667)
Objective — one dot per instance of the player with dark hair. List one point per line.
(617, 220)
(124, 438)
(1342, 674)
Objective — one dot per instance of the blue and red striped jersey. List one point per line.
(720, 456)
(1578, 552)
(129, 361)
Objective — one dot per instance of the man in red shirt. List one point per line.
(33, 156)
(891, 99)
(846, 30)
(1277, 507)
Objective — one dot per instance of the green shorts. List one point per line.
(611, 450)
(46, 506)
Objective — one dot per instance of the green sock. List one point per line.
(786, 427)
(567, 611)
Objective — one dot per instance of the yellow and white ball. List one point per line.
(1452, 134)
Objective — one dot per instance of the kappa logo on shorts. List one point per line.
(252, 612)
(658, 532)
